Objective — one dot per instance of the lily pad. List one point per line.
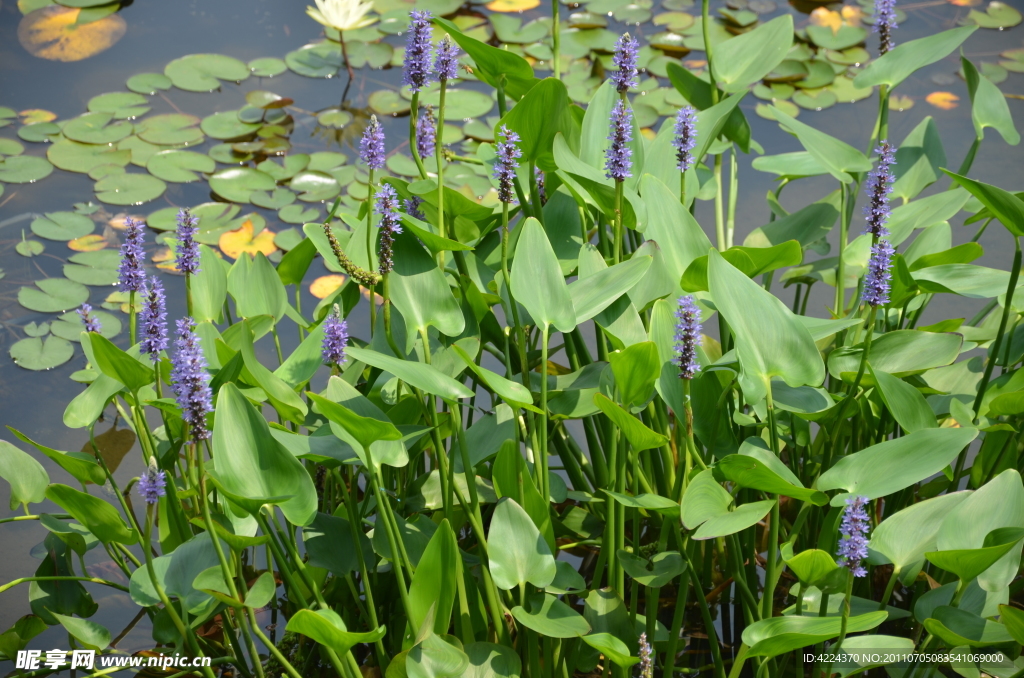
(73, 156)
(34, 353)
(318, 60)
(279, 198)
(148, 83)
(267, 67)
(819, 74)
(211, 216)
(29, 248)
(24, 169)
(1014, 57)
(787, 107)
(297, 214)
(226, 154)
(510, 29)
(129, 189)
(54, 32)
(121, 105)
(334, 117)
(997, 15)
(141, 151)
(460, 104)
(234, 243)
(10, 147)
(226, 125)
(62, 226)
(314, 186)
(93, 268)
(180, 166)
(170, 129)
(96, 128)
(88, 243)
(203, 72)
(40, 132)
(846, 36)
(677, 22)
(52, 295)
(815, 100)
(790, 70)
(388, 102)
(238, 183)
(845, 91)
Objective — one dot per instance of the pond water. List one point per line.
(158, 32)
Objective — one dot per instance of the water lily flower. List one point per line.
(341, 15)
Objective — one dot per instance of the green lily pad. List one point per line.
(815, 100)
(226, 154)
(314, 185)
(29, 248)
(460, 104)
(180, 166)
(121, 105)
(24, 169)
(170, 129)
(10, 147)
(97, 173)
(372, 54)
(40, 132)
(203, 72)
(69, 325)
(267, 67)
(7, 116)
(96, 128)
(740, 18)
(141, 151)
(790, 70)
(586, 19)
(846, 36)
(73, 156)
(632, 13)
(787, 107)
(677, 22)
(292, 165)
(53, 295)
(388, 102)
(1014, 60)
(773, 92)
(403, 165)
(238, 183)
(854, 56)
(97, 268)
(318, 60)
(129, 189)
(670, 42)
(280, 197)
(34, 353)
(846, 93)
(819, 74)
(334, 117)
(510, 29)
(226, 125)
(211, 216)
(297, 214)
(324, 161)
(37, 329)
(148, 83)
(62, 226)
(997, 15)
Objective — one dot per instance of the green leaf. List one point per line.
(611, 647)
(62, 226)
(638, 435)
(420, 292)
(328, 541)
(549, 616)
(27, 477)
(366, 430)
(436, 657)
(209, 287)
(535, 267)
(753, 261)
(129, 189)
(511, 391)
(200, 72)
(813, 567)
(327, 628)
(596, 293)
(1007, 207)
(418, 375)
(83, 467)
(706, 504)
(779, 635)
(433, 587)
(523, 555)
(1013, 619)
(660, 570)
(89, 633)
(745, 59)
(918, 160)
(353, 425)
(41, 353)
(55, 295)
(890, 466)
(901, 353)
(487, 660)
(251, 466)
(117, 364)
(908, 407)
(499, 68)
(805, 226)
(542, 113)
(969, 563)
(713, 120)
(958, 628)
(635, 369)
(99, 517)
(672, 227)
(770, 341)
(256, 287)
(288, 404)
(261, 592)
(899, 63)
(647, 502)
(836, 156)
(748, 471)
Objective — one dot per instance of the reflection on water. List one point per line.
(157, 32)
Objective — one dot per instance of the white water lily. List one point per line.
(342, 15)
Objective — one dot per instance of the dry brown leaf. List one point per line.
(234, 243)
(943, 100)
(52, 33)
(326, 285)
(113, 445)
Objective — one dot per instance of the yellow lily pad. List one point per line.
(234, 243)
(88, 243)
(326, 285)
(512, 5)
(53, 33)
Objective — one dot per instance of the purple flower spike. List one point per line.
(412, 207)
(646, 658)
(191, 381)
(853, 545)
(390, 225)
(879, 186)
(426, 133)
(506, 163)
(153, 319)
(371, 146)
(876, 281)
(152, 483)
(418, 50)
(335, 338)
(91, 323)
(686, 137)
(187, 260)
(625, 60)
(885, 22)
(446, 63)
(687, 337)
(618, 158)
(130, 274)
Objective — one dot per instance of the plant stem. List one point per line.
(369, 249)
(439, 159)
(414, 117)
(555, 40)
(840, 304)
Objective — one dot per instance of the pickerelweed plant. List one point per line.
(580, 436)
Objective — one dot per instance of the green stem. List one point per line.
(618, 222)
(734, 187)
(369, 249)
(844, 225)
(965, 166)
(131, 318)
(414, 116)
(439, 159)
(772, 553)
(95, 580)
(705, 27)
(843, 624)
(555, 39)
(542, 462)
(889, 588)
(719, 205)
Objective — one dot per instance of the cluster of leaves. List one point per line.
(406, 513)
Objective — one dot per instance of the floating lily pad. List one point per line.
(100, 171)
(324, 161)
(819, 74)
(297, 214)
(73, 156)
(10, 147)
(314, 186)
(203, 72)
(93, 268)
(29, 248)
(37, 329)
(900, 103)
(787, 107)
(141, 151)
(242, 240)
(39, 132)
(170, 129)
(88, 243)
(512, 5)
(326, 285)
(318, 60)
(148, 83)
(226, 125)
(334, 117)
(1015, 61)
(586, 19)
(226, 154)
(997, 15)
(844, 90)
(293, 164)
(69, 325)
(674, 21)
(267, 67)
(7, 116)
(34, 353)
(790, 70)
(388, 102)
(371, 54)
(24, 169)
(55, 33)
(96, 128)
(129, 189)
(846, 36)
(288, 239)
(510, 29)
(854, 56)
(404, 166)
(279, 198)
(179, 166)
(460, 104)
(741, 18)
(773, 92)
(62, 226)
(815, 100)
(632, 13)
(211, 216)
(238, 183)
(52, 295)
(120, 104)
